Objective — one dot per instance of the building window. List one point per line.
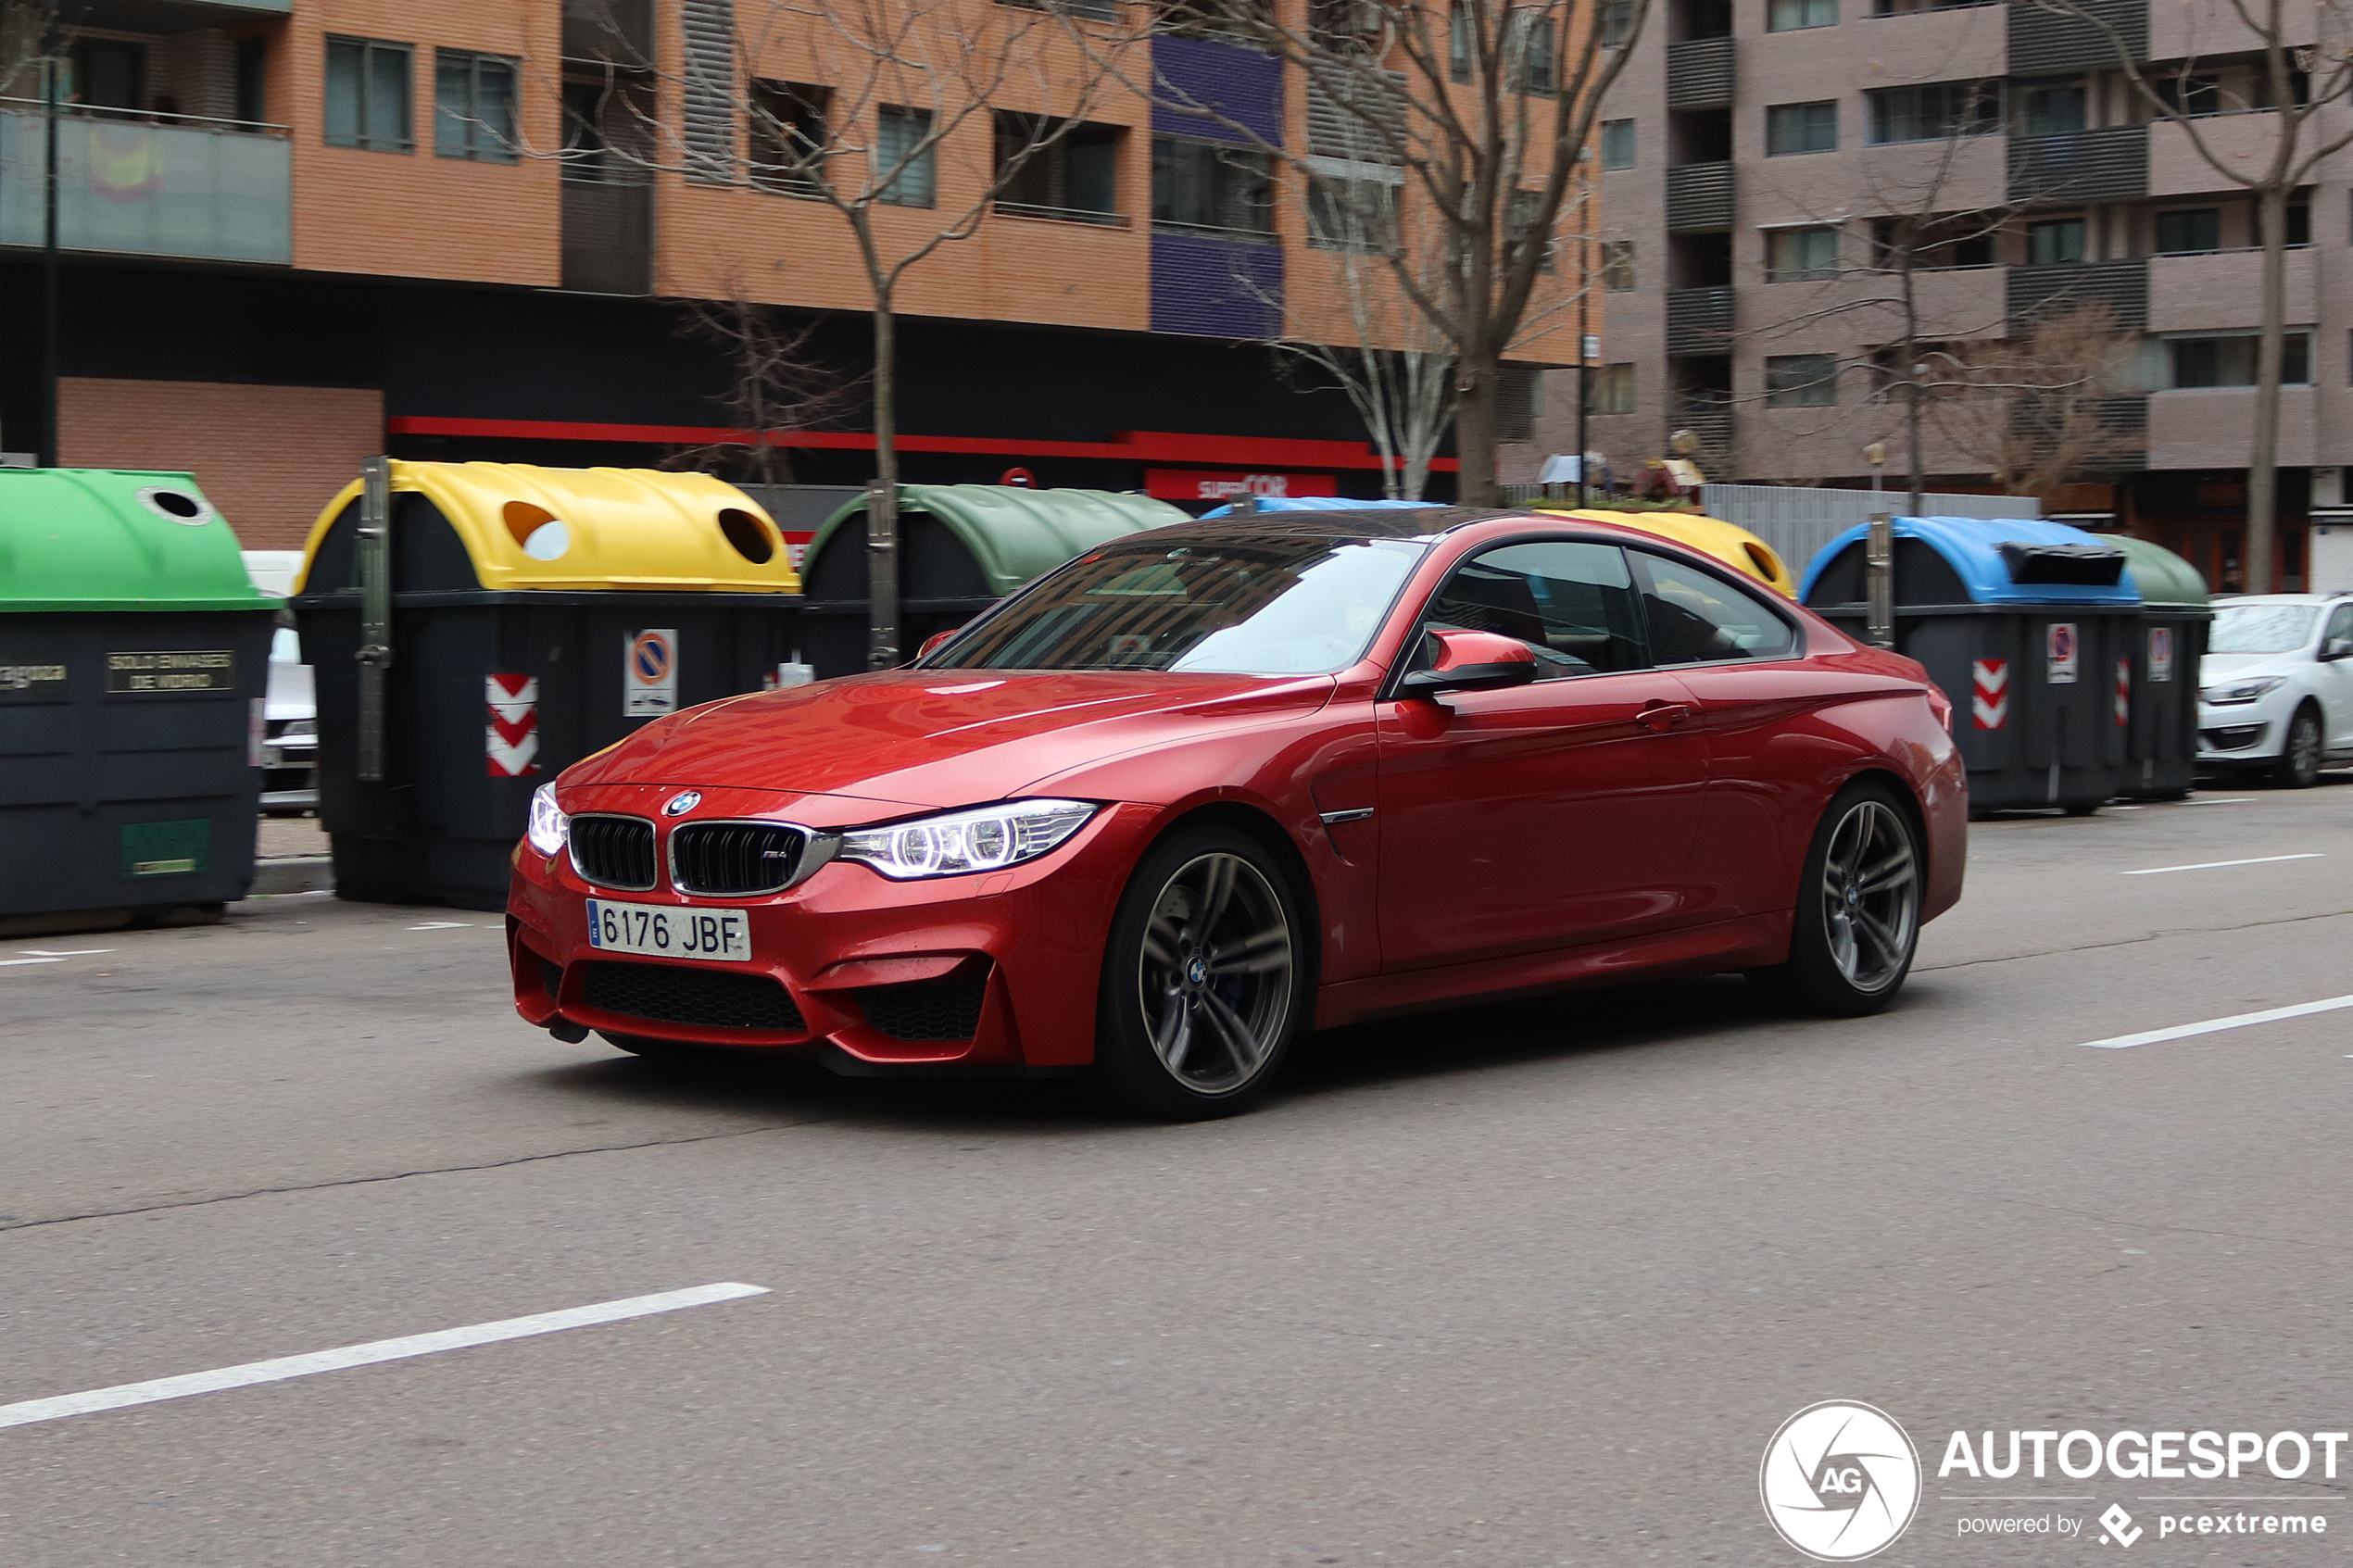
(1935, 111)
(1617, 22)
(901, 142)
(1789, 16)
(1074, 177)
(788, 140)
(473, 105)
(2190, 231)
(1211, 186)
(111, 74)
(2299, 222)
(2192, 95)
(1617, 143)
(2055, 242)
(1800, 128)
(2229, 360)
(1357, 215)
(1613, 389)
(1798, 256)
(1533, 56)
(1523, 218)
(252, 80)
(367, 93)
(1458, 43)
(1618, 265)
(1801, 381)
(2055, 109)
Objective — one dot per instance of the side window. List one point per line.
(1571, 603)
(1697, 618)
(2340, 624)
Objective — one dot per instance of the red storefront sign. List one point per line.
(1201, 484)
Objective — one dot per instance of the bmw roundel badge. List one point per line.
(683, 802)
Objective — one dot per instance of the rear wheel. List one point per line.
(1204, 979)
(1857, 926)
(2300, 765)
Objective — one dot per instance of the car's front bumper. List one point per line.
(1006, 962)
(2239, 734)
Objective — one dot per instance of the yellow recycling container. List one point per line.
(1727, 542)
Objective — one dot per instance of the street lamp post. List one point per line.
(48, 456)
(1878, 559)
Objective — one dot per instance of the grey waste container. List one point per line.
(2030, 627)
(2161, 757)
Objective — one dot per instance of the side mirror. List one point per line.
(1471, 661)
(2336, 649)
(935, 640)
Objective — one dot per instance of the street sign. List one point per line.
(2061, 656)
(650, 675)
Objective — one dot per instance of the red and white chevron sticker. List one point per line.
(1989, 702)
(2123, 691)
(512, 738)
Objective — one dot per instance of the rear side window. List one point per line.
(1698, 618)
(1572, 603)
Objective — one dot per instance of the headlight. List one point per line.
(2240, 691)
(549, 826)
(983, 839)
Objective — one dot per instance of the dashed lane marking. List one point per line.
(2216, 1026)
(2218, 865)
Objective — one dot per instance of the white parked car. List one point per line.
(2275, 692)
(290, 751)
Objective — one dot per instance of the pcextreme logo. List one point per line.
(1840, 1481)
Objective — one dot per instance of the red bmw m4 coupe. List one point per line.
(1213, 785)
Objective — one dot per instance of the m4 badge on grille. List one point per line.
(683, 802)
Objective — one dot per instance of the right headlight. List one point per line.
(980, 838)
(2232, 692)
(549, 827)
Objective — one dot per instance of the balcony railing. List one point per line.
(2043, 42)
(1699, 199)
(608, 236)
(2038, 293)
(2109, 164)
(1699, 321)
(1709, 417)
(1063, 214)
(1701, 73)
(161, 184)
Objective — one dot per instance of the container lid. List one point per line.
(1017, 534)
(2162, 577)
(117, 539)
(2001, 560)
(1319, 503)
(1727, 542)
(524, 527)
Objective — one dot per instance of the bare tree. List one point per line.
(2295, 82)
(856, 104)
(779, 385)
(26, 30)
(2037, 412)
(1478, 113)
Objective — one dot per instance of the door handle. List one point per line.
(1660, 716)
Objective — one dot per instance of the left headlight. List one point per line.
(2241, 691)
(549, 827)
(981, 838)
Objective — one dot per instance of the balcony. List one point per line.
(2111, 164)
(1700, 198)
(1709, 417)
(2216, 290)
(2043, 44)
(1061, 214)
(617, 30)
(608, 236)
(161, 184)
(1700, 73)
(2040, 293)
(1699, 321)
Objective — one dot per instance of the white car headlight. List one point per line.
(981, 838)
(2232, 692)
(548, 827)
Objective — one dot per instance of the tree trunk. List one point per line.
(2263, 451)
(1475, 429)
(882, 497)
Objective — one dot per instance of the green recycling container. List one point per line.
(2161, 728)
(134, 657)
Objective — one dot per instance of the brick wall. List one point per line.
(268, 457)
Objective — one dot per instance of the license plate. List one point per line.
(669, 932)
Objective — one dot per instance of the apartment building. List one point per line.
(298, 232)
(1756, 151)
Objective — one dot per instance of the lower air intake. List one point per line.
(927, 1010)
(698, 998)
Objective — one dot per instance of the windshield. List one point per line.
(1272, 604)
(2260, 627)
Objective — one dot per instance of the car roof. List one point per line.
(1416, 522)
(2282, 598)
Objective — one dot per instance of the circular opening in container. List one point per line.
(1767, 562)
(178, 505)
(541, 534)
(748, 535)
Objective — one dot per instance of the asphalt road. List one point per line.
(1511, 1285)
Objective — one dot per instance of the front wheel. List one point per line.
(1857, 921)
(2300, 765)
(1205, 982)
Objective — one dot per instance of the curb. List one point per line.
(292, 874)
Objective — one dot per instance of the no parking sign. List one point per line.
(2059, 667)
(649, 673)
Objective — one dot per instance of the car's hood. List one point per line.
(937, 737)
(2217, 667)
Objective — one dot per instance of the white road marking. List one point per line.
(28, 1411)
(2217, 865)
(443, 926)
(2231, 801)
(65, 952)
(10, 963)
(2214, 1025)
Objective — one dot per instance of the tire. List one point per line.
(2301, 758)
(1857, 925)
(1206, 978)
(2081, 808)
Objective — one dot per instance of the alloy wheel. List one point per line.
(1870, 896)
(1216, 973)
(2303, 749)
